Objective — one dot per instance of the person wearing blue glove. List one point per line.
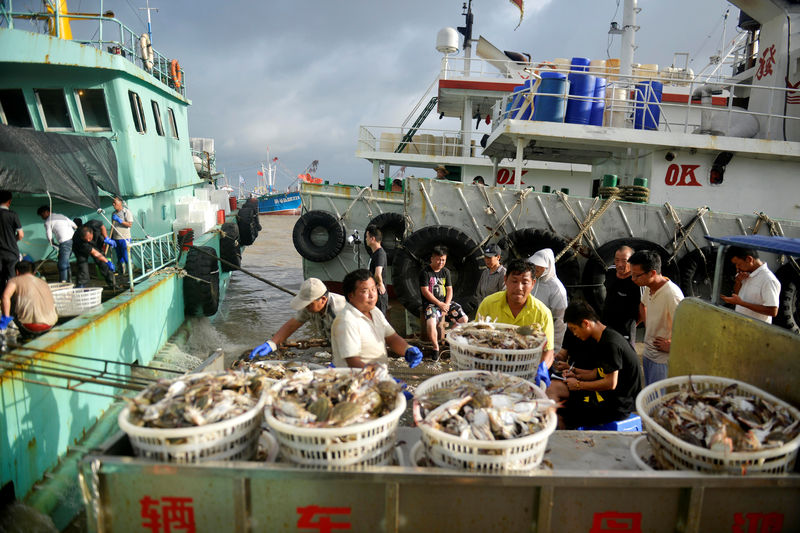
(121, 222)
(32, 300)
(542, 375)
(61, 229)
(111, 242)
(84, 246)
(110, 265)
(404, 388)
(606, 392)
(315, 306)
(360, 333)
(5, 321)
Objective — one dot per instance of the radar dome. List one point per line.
(447, 41)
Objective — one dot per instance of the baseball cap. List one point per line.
(310, 290)
(491, 250)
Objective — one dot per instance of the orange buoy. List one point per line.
(175, 72)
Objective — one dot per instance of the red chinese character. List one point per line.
(613, 522)
(151, 514)
(757, 523)
(323, 524)
(178, 515)
(765, 62)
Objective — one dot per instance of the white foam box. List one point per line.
(201, 194)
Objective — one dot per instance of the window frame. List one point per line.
(4, 117)
(157, 117)
(137, 112)
(83, 117)
(43, 116)
(173, 124)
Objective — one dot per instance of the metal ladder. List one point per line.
(417, 123)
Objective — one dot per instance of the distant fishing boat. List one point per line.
(271, 202)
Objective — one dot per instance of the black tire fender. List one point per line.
(463, 261)
(594, 271)
(392, 226)
(252, 203)
(246, 220)
(201, 284)
(789, 301)
(523, 243)
(318, 236)
(697, 273)
(229, 248)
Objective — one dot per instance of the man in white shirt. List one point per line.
(756, 291)
(660, 298)
(63, 229)
(121, 222)
(360, 333)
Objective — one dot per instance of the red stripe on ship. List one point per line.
(479, 85)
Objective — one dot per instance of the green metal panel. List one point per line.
(716, 341)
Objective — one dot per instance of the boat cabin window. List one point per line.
(93, 109)
(173, 126)
(138, 112)
(157, 118)
(13, 109)
(53, 109)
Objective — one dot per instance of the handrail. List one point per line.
(151, 255)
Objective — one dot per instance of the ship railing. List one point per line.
(148, 256)
(426, 142)
(476, 68)
(101, 31)
(626, 96)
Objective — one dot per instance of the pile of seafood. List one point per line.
(726, 421)
(490, 406)
(334, 398)
(196, 400)
(274, 370)
(499, 336)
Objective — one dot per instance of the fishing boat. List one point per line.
(581, 156)
(270, 200)
(89, 109)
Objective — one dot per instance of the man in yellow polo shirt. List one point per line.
(515, 305)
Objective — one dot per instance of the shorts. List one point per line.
(455, 313)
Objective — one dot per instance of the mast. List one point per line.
(628, 38)
(466, 114)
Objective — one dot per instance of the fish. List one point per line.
(492, 336)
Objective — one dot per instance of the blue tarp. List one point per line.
(776, 245)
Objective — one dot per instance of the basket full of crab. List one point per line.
(336, 417)
(719, 425)
(275, 370)
(483, 421)
(515, 350)
(197, 418)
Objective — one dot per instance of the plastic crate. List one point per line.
(486, 456)
(233, 439)
(73, 302)
(521, 363)
(364, 444)
(675, 453)
(632, 423)
(60, 286)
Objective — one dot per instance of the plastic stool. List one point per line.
(632, 423)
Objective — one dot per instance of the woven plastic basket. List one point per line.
(521, 363)
(675, 453)
(486, 456)
(365, 444)
(60, 286)
(233, 439)
(73, 302)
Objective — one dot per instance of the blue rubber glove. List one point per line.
(404, 389)
(111, 266)
(264, 349)
(5, 321)
(111, 242)
(413, 356)
(115, 218)
(543, 374)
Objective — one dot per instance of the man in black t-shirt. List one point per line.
(621, 310)
(84, 246)
(613, 384)
(377, 264)
(436, 287)
(10, 233)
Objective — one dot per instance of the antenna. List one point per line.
(149, 9)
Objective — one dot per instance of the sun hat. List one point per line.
(311, 289)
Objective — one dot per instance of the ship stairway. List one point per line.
(409, 135)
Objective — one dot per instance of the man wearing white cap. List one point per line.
(313, 303)
(550, 291)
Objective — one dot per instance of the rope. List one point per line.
(521, 195)
(565, 200)
(588, 224)
(686, 233)
(353, 203)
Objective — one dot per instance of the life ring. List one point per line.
(789, 301)
(523, 243)
(247, 219)
(463, 261)
(175, 73)
(229, 248)
(697, 273)
(318, 236)
(392, 226)
(201, 284)
(594, 271)
(146, 49)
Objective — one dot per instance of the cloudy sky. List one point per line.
(301, 76)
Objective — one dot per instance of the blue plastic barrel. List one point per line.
(580, 64)
(526, 113)
(599, 102)
(647, 111)
(512, 101)
(549, 104)
(580, 110)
